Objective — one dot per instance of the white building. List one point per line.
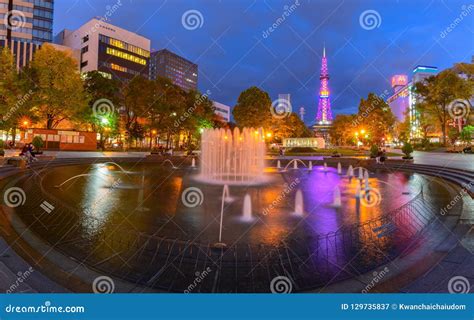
(114, 51)
(222, 110)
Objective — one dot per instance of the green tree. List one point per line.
(377, 118)
(342, 130)
(436, 93)
(137, 98)
(104, 99)
(467, 134)
(58, 91)
(199, 114)
(253, 109)
(289, 127)
(15, 96)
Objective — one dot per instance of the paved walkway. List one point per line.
(444, 159)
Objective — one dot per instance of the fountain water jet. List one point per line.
(310, 166)
(358, 190)
(170, 162)
(339, 168)
(367, 187)
(337, 198)
(278, 164)
(232, 157)
(325, 167)
(350, 172)
(193, 163)
(299, 206)
(247, 209)
(361, 174)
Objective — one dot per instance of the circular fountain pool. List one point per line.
(142, 222)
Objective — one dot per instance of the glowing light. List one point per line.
(269, 134)
(399, 80)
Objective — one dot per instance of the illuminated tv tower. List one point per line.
(324, 107)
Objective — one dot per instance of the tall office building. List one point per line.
(115, 52)
(179, 70)
(399, 101)
(24, 26)
(222, 111)
(404, 99)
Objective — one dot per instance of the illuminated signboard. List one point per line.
(399, 80)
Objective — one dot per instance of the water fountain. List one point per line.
(337, 198)
(233, 158)
(299, 206)
(339, 168)
(278, 164)
(295, 164)
(325, 167)
(358, 191)
(193, 163)
(361, 173)
(366, 175)
(225, 194)
(310, 166)
(350, 172)
(170, 162)
(247, 209)
(366, 178)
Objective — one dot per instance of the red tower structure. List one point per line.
(324, 115)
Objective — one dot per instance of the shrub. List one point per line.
(407, 149)
(374, 150)
(37, 142)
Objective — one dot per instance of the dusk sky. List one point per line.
(233, 53)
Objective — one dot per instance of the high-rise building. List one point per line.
(284, 100)
(179, 70)
(324, 115)
(24, 26)
(115, 52)
(399, 101)
(404, 100)
(222, 111)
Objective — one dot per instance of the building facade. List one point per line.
(24, 26)
(180, 71)
(399, 101)
(404, 100)
(222, 110)
(111, 50)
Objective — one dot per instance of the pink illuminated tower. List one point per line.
(324, 107)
